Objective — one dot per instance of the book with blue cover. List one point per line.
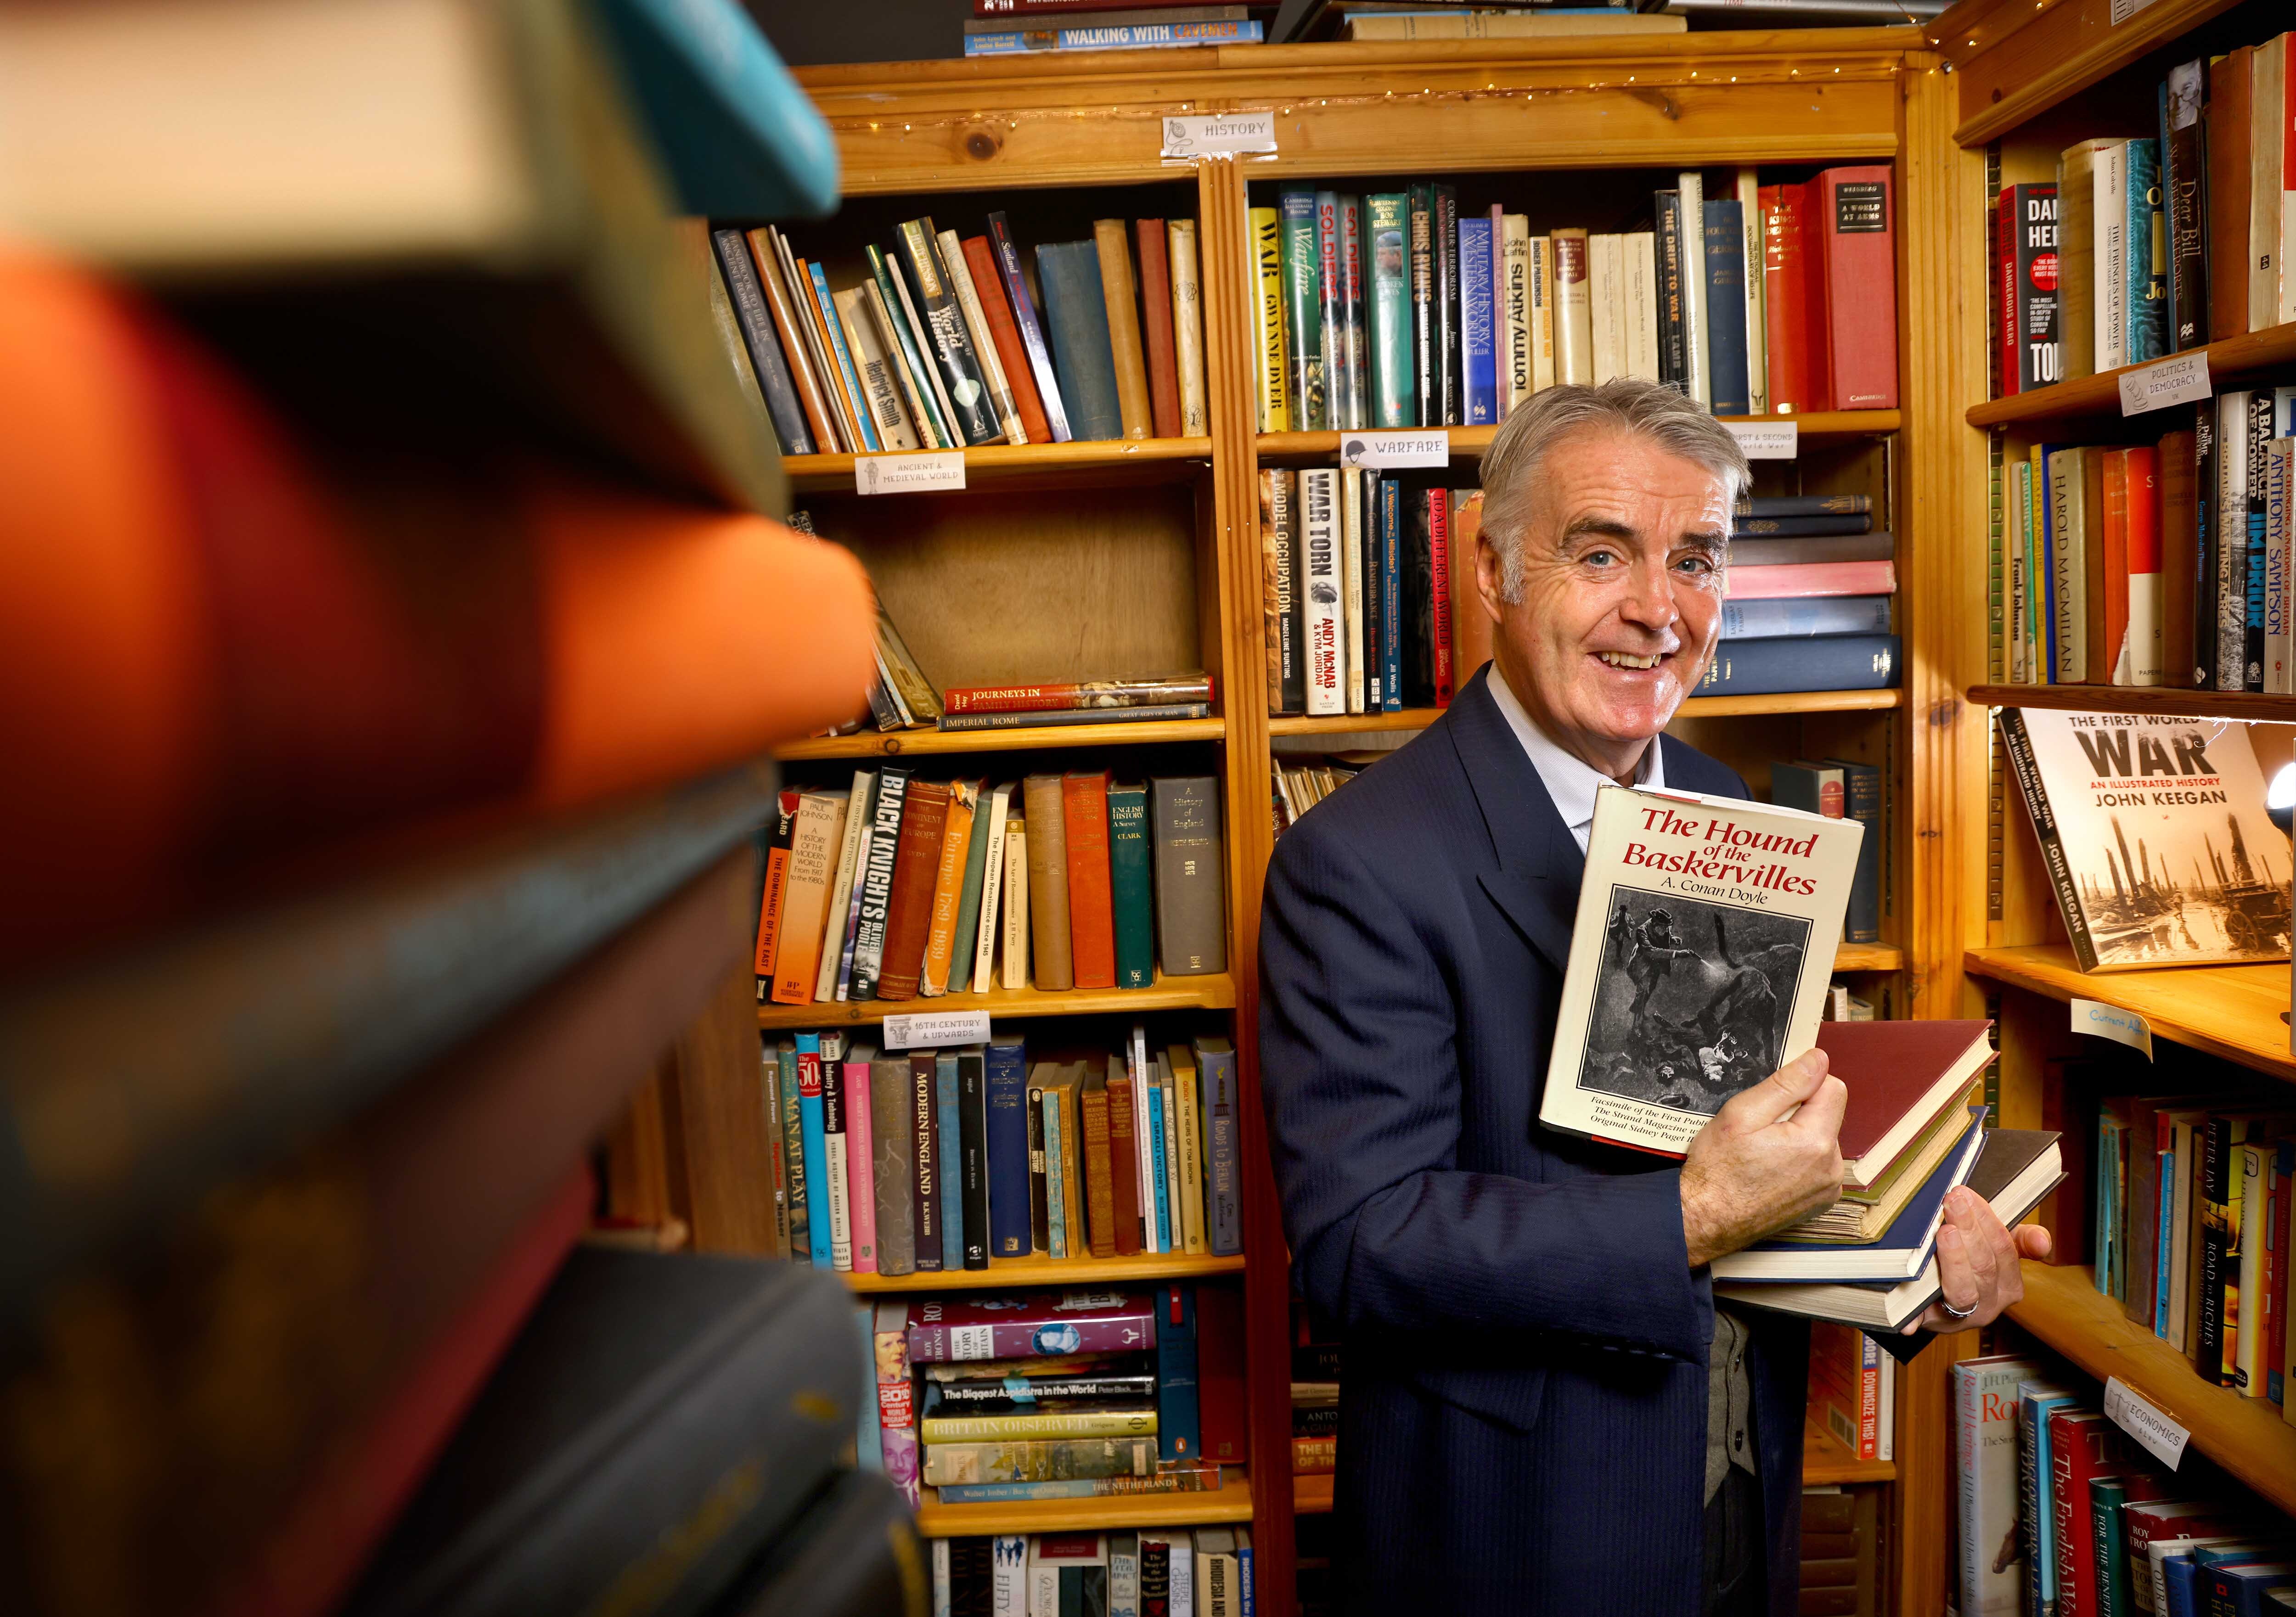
(1010, 1231)
(1083, 359)
(1179, 1428)
(948, 1137)
(1726, 306)
(1800, 618)
(1133, 36)
(1899, 1254)
(1478, 370)
(1829, 661)
(816, 1139)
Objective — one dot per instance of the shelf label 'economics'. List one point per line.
(1389, 450)
(906, 474)
(2135, 1415)
(1768, 440)
(2110, 1022)
(1206, 134)
(928, 1029)
(2181, 380)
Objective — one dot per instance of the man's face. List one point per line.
(1622, 594)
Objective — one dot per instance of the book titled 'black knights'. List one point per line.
(1705, 939)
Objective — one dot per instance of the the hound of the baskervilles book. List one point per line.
(1705, 939)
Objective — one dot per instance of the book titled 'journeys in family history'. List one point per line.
(2154, 835)
(1706, 934)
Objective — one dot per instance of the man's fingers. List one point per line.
(1779, 1093)
(2033, 1241)
(1954, 1274)
(1969, 1221)
(1821, 1113)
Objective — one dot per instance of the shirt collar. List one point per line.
(1572, 783)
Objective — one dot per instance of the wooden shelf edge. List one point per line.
(2246, 1436)
(1048, 1271)
(1212, 992)
(905, 743)
(1230, 1503)
(2232, 1011)
(1827, 1462)
(996, 460)
(1968, 32)
(1466, 441)
(1311, 1496)
(1869, 957)
(2240, 705)
(2100, 395)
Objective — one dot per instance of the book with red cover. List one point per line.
(1438, 602)
(1092, 916)
(916, 866)
(769, 903)
(1856, 228)
(996, 309)
(1817, 298)
(1811, 579)
(2108, 661)
(1030, 1325)
(1900, 1075)
(1123, 1160)
(2229, 142)
(1156, 311)
(2083, 1446)
(1785, 302)
(1223, 1410)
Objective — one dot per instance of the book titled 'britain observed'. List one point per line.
(1705, 938)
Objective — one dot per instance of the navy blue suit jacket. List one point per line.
(1523, 1424)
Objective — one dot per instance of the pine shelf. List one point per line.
(1211, 992)
(1469, 442)
(903, 743)
(1003, 1272)
(2231, 1011)
(2100, 395)
(1869, 957)
(1171, 458)
(2162, 700)
(1827, 1462)
(1231, 1502)
(2013, 60)
(2246, 1436)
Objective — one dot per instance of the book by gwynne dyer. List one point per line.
(1706, 934)
(2156, 836)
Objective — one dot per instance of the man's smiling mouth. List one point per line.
(1628, 659)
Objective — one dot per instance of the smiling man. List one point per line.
(1541, 1408)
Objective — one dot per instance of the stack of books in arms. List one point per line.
(939, 345)
(2059, 1509)
(909, 1162)
(905, 888)
(2142, 248)
(1913, 1132)
(1401, 309)
(1206, 1572)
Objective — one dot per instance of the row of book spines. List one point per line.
(895, 889)
(2222, 1184)
(1395, 311)
(1170, 1571)
(2157, 564)
(940, 347)
(2155, 245)
(1846, 1378)
(936, 1160)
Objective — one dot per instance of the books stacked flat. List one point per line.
(1203, 1572)
(1186, 696)
(1009, 31)
(1314, 1402)
(903, 888)
(905, 1162)
(939, 345)
(1810, 588)
(1840, 788)
(1401, 309)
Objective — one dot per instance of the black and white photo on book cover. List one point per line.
(1705, 938)
(2154, 835)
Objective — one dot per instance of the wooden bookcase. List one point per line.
(2027, 82)
(1054, 554)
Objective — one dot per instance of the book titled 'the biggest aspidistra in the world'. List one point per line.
(1705, 938)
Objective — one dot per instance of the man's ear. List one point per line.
(1489, 570)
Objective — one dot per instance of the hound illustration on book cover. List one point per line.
(1705, 938)
(2154, 835)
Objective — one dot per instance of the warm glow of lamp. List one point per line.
(2279, 797)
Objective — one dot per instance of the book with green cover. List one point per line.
(1394, 400)
(1078, 316)
(968, 902)
(1127, 876)
(950, 346)
(1303, 312)
(910, 355)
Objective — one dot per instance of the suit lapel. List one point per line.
(1538, 864)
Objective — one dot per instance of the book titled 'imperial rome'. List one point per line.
(1706, 934)
(2154, 835)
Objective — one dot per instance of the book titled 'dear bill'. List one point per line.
(1705, 938)
(2154, 835)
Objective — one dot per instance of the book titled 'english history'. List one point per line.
(1705, 938)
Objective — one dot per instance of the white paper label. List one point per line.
(2110, 1022)
(1202, 134)
(903, 474)
(2135, 1415)
(972, 1341)
(2123, 10)
(1394, 449)
(1778, 440)
(2181, 380)
(926, 1029)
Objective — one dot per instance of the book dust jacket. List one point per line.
(1705, 938)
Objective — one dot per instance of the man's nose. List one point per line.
(1650, 601)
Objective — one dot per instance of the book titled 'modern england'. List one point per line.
(1706, 934)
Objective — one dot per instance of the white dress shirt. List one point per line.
(1572, 783)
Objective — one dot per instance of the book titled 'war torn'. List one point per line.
(2156, 836)
(1706, 934)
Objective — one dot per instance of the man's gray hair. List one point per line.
(1648, 410)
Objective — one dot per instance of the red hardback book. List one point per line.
(2083, 1446)
(2141, 604)
(1811, 579)
(916, 866)
(1123, 1161)
(2229, 144)
(2109, 654)
(2008, 338)
(1031, 1325)
(1900, 1075)
(1092, 917)
(1818, 325)
(1785, 310)
(980, 258)
(1223, 1411)
(1857, 226)
(769, 904)
(1156, 326)
(1439, 552)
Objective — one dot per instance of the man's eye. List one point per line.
(1601, 558)
(1696, 565)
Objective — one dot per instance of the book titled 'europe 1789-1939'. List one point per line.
(1705, 938)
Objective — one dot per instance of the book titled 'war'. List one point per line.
(1705, 937)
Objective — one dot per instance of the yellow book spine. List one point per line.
(1071, 1423)
(948, 887)
(1192, 1167)
(1267, 318)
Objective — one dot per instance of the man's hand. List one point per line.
(1978, 1264)
(1753, 1168)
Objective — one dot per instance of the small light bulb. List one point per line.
(2282, 793)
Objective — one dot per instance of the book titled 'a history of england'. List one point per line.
(1705, 938)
